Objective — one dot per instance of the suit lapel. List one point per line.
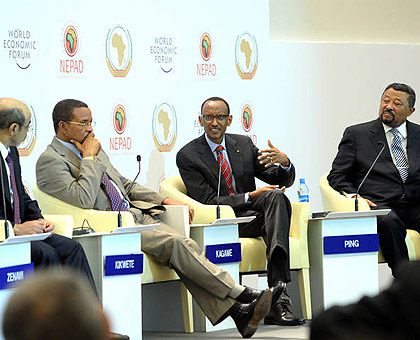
(413, 142)
(236, 162)
(207, 157)
(66, 152)
(6, 182)
(378, 139)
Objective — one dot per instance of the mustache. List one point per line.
(390, 112)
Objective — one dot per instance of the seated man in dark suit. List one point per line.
(23, 212)
(241, 162)
(394, 180)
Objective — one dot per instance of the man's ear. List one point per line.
(62, 126)
(13, 129)
(229, 120)
(200, 119)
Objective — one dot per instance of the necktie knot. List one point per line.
(219, 148)
(395, 132)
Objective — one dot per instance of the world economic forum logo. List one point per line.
(206, 47)
(119, 51)
(246, 55)
(246, 117)
(120, 119)
(26, 147)
(71, 41)
(164, 127)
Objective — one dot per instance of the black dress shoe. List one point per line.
(117, 336)
(247, 316)
(280, 314)
(250, 294)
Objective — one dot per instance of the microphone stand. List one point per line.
(119, 218)
(6, 225)
(356, 201)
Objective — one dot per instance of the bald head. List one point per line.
(15, 118)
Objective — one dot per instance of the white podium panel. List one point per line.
(120, 294)
(223, 235)
(343, 251)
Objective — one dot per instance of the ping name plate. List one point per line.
(348, 244)
(224, 253)
(123, 264)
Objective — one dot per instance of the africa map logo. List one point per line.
(26, 147)
(206, 47)
(246, 55)
(71, 41)
(164, 127)
(246, 117)
(119, 51)
(120, 119)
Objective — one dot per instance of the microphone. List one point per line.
(356, 202)
(119, 219)
(218, 191)
(6, 225)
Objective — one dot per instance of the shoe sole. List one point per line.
(261, 309)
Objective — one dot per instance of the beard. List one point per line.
(387, 121)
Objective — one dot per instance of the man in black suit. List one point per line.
(241, 162)
(394, 180)
(21, 210)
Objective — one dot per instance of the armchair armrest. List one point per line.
(11, 231)
(332, 200)
(63, 224)
(176, 216)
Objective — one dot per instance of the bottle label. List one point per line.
(303, 198)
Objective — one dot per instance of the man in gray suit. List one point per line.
(75, 169)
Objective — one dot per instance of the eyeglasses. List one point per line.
(84, 124)
(28, 126)
(219, 118)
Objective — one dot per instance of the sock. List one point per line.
(236, 291)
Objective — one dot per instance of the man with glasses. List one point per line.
(21, 210)
(241, 162)
(76, 170)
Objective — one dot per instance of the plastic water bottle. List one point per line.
(303, 191)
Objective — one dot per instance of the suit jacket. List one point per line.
(199, 170)
(358, 149)
(63, 175)
(29, 209)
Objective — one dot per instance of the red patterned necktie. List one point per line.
(227, 175)
(113, 195)
(16, 207)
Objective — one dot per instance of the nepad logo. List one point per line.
(120, 119)
(71, 41)
(206, 48)
(246, 117)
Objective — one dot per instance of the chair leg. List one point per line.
(305, 293)
(187, 309)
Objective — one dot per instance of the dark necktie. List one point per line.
(227, 175)
(398, 151)
(113, 194)
(16, 207)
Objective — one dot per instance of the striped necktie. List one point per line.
(398, 152)
(114, 196)
(227, 175)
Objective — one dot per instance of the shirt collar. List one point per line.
(71, 147)
(213, 145)
(4, 151)
(402, 129)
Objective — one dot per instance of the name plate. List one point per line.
(224, 253)
(10, 276)
(123, 264)
(348, 244)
